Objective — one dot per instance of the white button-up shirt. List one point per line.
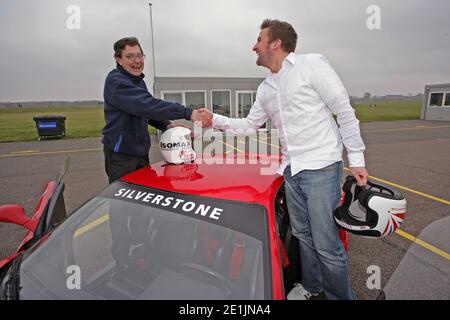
(300, 100)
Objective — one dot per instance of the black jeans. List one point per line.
(119, 164)
(127, 228)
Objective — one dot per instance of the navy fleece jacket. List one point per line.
(129, 109)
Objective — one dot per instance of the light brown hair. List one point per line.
(281, 30)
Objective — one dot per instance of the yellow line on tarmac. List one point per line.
(413, 191)
(405, 129)
(423, 244)
(407, 235)
(237, 149)
(401, 232)
(395, 185)
(25, 151)
(408, 189)
(90, 226)
(17, 154)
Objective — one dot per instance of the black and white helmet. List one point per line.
(372, 211)
(176, 145)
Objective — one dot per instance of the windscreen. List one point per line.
(132, 242)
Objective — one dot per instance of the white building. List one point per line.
(231, 97)
(436, 102)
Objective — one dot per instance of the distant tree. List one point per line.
(367, 95)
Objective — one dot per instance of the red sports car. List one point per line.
(191, 231)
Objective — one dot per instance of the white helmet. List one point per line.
(176, 145)
(371, 211)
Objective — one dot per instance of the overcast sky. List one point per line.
(42, 59)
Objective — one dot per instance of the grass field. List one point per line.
(82, 122)
(389, 110)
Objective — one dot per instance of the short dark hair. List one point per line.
(120, 45)
(281, 30)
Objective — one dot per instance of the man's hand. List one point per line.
(361, 175)
(202, 117)
(207, 117)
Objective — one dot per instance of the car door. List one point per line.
(287, 242)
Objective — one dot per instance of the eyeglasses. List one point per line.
(133, 56)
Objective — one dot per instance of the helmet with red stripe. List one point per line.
(372, 211)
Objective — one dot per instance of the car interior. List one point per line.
(291, 267)
(169, 256)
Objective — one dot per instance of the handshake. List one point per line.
(202, 117)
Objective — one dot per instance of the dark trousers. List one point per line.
(119, 164)
(127, 228)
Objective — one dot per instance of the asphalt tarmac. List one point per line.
(412, 155)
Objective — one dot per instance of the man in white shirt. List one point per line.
(300, 96)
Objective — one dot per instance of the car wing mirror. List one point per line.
(13, 213)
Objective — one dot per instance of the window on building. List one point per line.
(447, 99)
(436, 99)
(195, 100)
(221, 102)
(245, 101)
(173, 97)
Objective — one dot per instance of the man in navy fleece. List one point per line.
(130, 108)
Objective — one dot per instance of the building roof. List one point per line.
(437, 85)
